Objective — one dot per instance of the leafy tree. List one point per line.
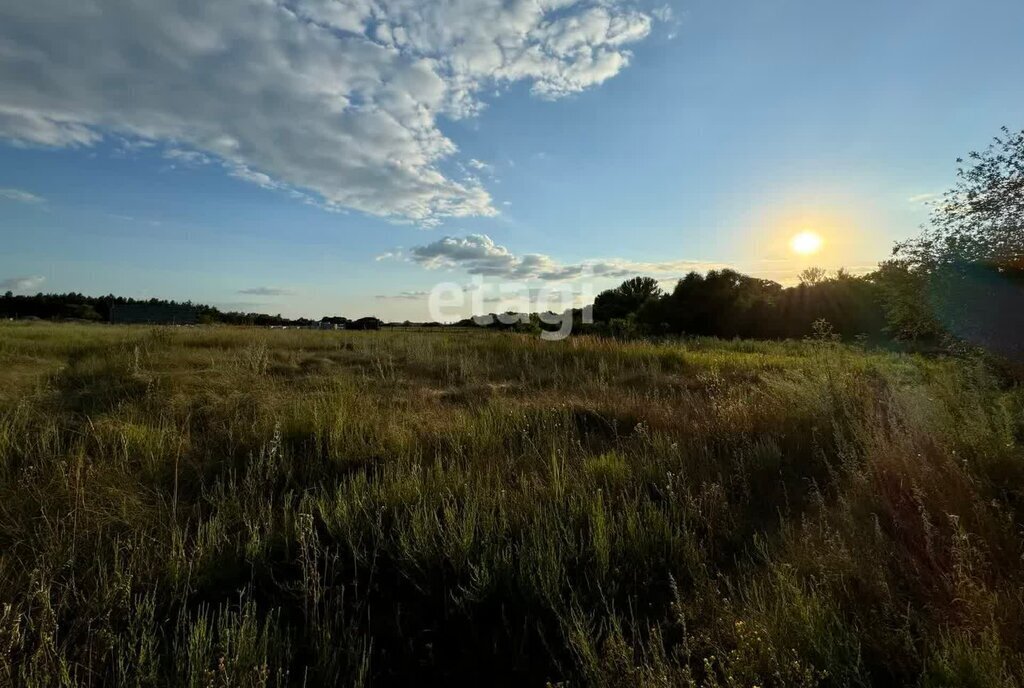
(903, 291)
(725, 303)
(851, 305)
(963, 277)
(81, 311)
(626, 299)
(980, 220)
(812, 276)
(639, 289)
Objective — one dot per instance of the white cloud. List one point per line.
(478, 254)
(27, 126)
(663, 13)
(265, 291)
(22, 283)
(20, 196)
(666, 15)
(188, 158)
(259, 178)
(517, 293)
(406, 295)
(396, 254)
(924, 198)
(338, 98)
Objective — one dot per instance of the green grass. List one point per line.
(233, 507)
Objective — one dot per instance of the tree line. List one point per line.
(726, 303)
(961, 282)
(76, 306)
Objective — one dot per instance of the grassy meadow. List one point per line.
(218, 507)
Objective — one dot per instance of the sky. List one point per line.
(344, 157)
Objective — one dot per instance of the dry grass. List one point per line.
(231, 507)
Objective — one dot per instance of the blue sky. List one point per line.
(145, 151)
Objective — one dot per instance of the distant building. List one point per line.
(153, 314)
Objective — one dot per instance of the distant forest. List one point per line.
(722, 303)
(74, 306)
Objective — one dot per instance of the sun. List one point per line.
(806, 243)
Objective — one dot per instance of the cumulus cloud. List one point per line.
(20, 196)
(478, 254)
(265, 291)
(22, 283)
(337, 98)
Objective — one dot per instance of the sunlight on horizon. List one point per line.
(806, 243)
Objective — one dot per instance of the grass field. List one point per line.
(232, 507)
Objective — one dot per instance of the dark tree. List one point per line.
(980, 220)
(812, 276)
(639, 289)
(725, 303)
(626, 299)
(962, 280)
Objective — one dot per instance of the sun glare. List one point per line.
(806, 243)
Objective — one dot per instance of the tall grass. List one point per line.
(231, 507)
